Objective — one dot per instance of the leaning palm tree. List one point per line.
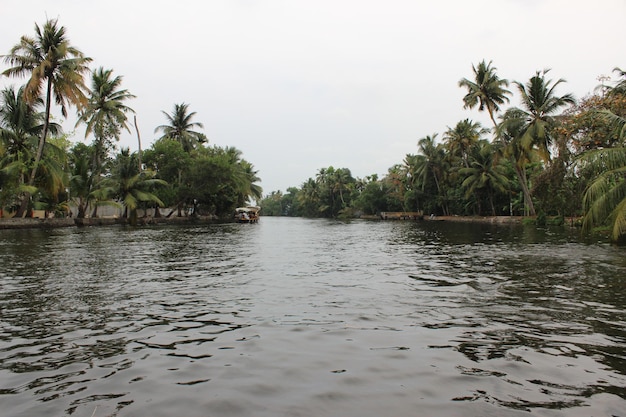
(605, 198)
(180, 127)
(51, 63)
(487, 90)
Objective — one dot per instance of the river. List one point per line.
(311, 317)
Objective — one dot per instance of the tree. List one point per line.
(605, 198)
(529, 130)
(487, 90)
(20, 125)
(538, 114)
(462, 137)
(51, 63)
(132, 187)
(105, 114)
(180, 127)
(431, 169)
(509, 134)
(484, 175)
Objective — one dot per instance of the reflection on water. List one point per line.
(301, 317)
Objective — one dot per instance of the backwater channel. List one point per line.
(311, 317)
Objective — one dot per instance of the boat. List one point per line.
(247, 214)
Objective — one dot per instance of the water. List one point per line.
(296, 317)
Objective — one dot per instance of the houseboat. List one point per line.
(247, 214)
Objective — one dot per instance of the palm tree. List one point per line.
(432, 164)
(340, 182)
(462, 137)
(105, 115)
(538, 113)
(51, 63)
(509, 134)
(20, 125)
(309, 197)
(180, 127)
(484, 175)
(251, 189)
(133, 187)
(605, 197)
(487, 90)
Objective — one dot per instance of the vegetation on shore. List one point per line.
(550, 157)
(41, 170)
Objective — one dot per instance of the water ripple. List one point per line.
(311, 317)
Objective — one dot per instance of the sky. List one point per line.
(302, 85)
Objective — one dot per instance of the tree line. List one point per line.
(40, 169)
(549, 157)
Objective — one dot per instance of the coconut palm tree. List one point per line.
(432, 165)
(20, 126)
(484, 175)
(105, 114)
(540, 106)
(180, 127)
(462, 137)
(131, 186)
(52, 64)
(605, 198)
(509, 134)
(310, 197)
(486, 90)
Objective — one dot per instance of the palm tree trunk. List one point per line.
(521, 176)
(21, 212)
(138, 142)
(493, 208)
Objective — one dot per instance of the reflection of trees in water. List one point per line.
(524, 295)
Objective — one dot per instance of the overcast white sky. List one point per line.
(301, 85)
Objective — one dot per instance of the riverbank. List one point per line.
(479, 219)
(54, 223)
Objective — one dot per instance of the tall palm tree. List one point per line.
(180, 127)
(20, 126)
(509, 134)
(486, 90)
(105, 114)
(540, 106)
(53, 64)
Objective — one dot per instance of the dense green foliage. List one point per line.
(550, 156)
(40, 170)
